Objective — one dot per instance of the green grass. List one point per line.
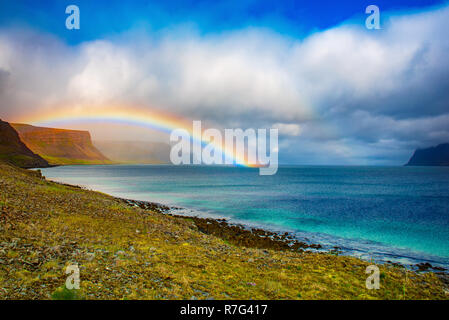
(69, 161)
(62, 293)
(18, 160)
(130, 253)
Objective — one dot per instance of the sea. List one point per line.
(397, 214)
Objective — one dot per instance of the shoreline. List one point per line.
(261, 237)
(129, 249)
(255, 237)
(238, 234)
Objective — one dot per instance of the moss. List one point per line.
(62, 293)
(127, 252)
(12, 254)
(69, 161)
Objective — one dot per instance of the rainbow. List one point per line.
(159, 121)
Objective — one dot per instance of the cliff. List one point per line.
(433, 156)
(14, 151)
(60, 146)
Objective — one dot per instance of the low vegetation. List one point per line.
(126, 252)
(60, 161)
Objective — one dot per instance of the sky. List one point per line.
(338, 92)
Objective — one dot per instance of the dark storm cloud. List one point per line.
(342, 95)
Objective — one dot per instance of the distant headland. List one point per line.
(433, 156)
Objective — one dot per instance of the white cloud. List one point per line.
(344, 84)
(288, 129)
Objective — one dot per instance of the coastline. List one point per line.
(256, 236)
(356, 233)
(260, 238)
(126, 252)
(236, 234)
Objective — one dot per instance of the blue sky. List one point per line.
(338, 92)
(104, 18)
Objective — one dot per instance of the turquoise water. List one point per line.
(384, 213)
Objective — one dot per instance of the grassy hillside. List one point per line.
(14, 151)
(60, 146)
(130, 253)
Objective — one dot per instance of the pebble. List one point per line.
(90, 256)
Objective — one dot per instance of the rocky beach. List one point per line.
(128, 249)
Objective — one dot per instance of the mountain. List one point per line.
(60, 146)
(433, 156)
(14, 151)
(135, 151)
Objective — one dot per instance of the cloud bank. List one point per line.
(344, 95)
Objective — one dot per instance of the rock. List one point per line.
(11, 141)
(433, 156)
(424, 266)
(74, 144)
(90, 256)
(55, 248)
(118, 262)
(439, 269)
